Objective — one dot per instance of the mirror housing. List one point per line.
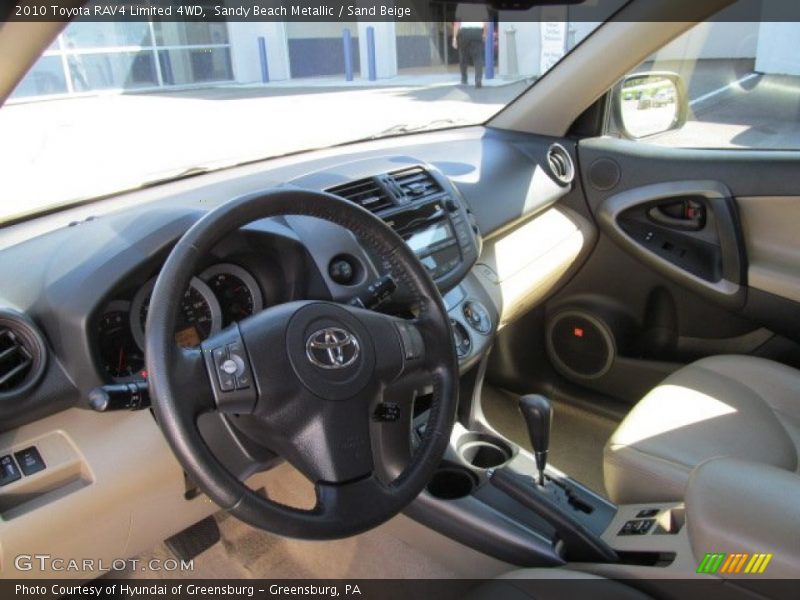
(648, 104)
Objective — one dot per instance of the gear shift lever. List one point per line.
(538, 414)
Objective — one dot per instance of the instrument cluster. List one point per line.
(222, 294)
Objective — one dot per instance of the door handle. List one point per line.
(685, 215)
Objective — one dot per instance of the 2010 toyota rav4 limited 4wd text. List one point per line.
(429, 299)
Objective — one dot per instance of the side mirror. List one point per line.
(647, 104)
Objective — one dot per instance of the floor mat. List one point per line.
(576, 440)
(245, 552)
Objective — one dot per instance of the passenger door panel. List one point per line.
(686, 230)
(696, 256)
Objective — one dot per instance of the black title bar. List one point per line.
(368, 10)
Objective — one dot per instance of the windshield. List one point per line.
(115, 105)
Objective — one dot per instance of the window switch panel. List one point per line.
(9, 472)
(30, 461)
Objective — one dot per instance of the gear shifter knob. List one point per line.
(538, 414)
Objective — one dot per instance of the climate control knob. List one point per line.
(477, 316)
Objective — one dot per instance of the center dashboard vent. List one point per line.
(560, 163)
(367, 193)
(416, 183)
(22, 354)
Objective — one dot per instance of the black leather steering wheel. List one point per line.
(313, 373)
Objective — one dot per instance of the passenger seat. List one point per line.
(733, 406)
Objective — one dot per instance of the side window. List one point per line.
(723, 84)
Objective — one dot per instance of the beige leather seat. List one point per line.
(734, 406)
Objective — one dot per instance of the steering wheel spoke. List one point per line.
(191, 381)
(325, 440)
(402, 348)
(344, 501)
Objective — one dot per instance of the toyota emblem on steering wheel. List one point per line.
(332, 348)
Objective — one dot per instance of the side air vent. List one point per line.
(367, 193)
(416, 183)
(22, 354)
(560, 163)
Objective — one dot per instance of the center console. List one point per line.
(510, 504)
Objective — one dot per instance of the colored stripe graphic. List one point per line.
(728, 564)
(738, 562)
(711, 562)
(759, 563)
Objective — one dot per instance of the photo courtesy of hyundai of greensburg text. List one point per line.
(399, 299)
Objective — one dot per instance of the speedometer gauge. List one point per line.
(119, 355)
(200, 314)
(237, 291)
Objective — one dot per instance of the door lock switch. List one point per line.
(30, 461)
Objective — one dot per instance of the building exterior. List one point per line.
(140, 56)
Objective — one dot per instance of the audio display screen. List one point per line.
(421, 241)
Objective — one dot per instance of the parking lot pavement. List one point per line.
(67, 149)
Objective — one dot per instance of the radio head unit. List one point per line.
(424, 208)
(438, 232)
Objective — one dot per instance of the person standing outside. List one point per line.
(469, 36)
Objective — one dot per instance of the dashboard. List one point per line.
(418, 202)
(474, 204)
(88, 296)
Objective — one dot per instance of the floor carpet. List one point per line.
(245, 552)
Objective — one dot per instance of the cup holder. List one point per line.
(451, 483)
(483, 451)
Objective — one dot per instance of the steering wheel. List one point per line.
(312, 373)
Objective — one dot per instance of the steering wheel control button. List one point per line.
(229, 371)
(477, 316)
(387, 412)
(30, 461)
(411, 340)
(8, 470)
(227, 381)
(240, 371)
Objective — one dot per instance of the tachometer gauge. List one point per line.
(200, 314)
(120, 357)
(237, 291)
